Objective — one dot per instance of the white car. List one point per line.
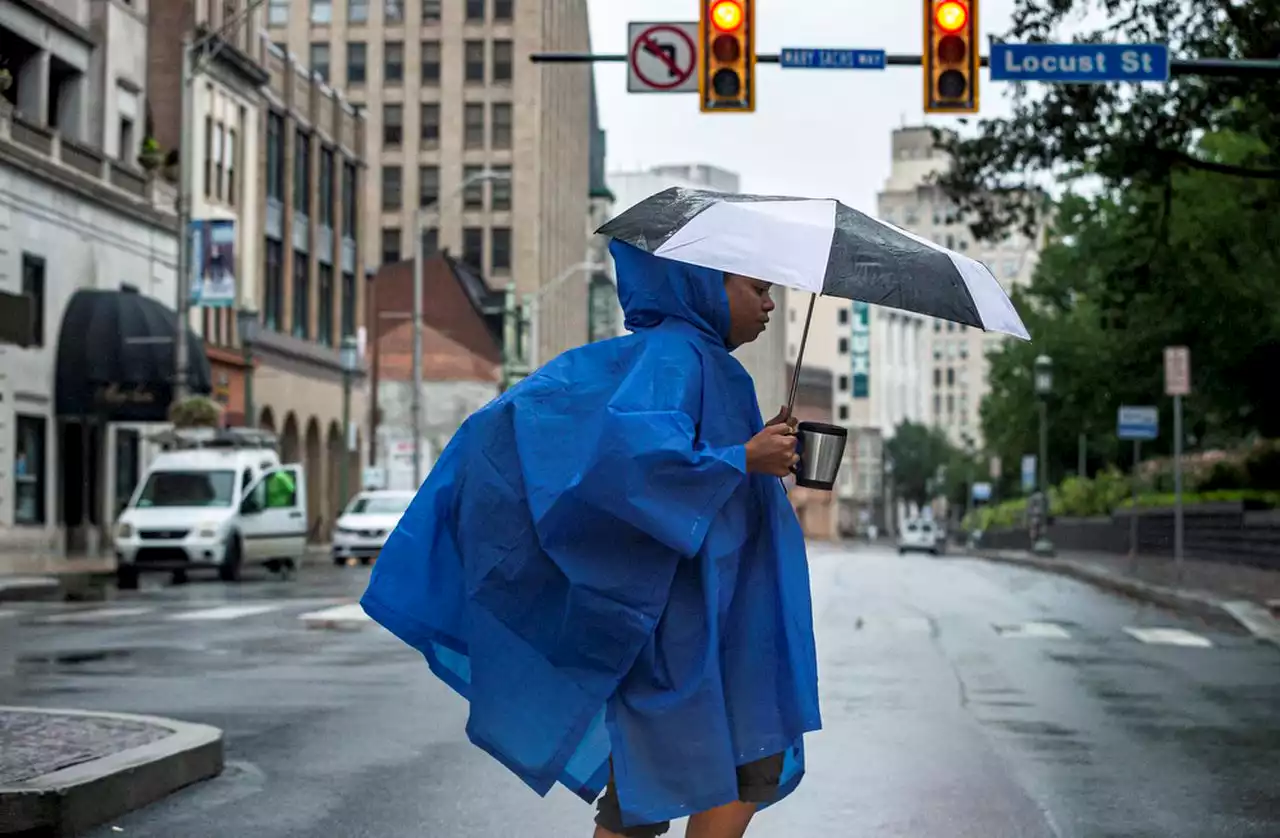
(364, 525)
(920, 536)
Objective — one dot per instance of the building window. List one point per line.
(392, 125)
(392, 188)
(219, 158)
(390, 245)
(502, 9)
(430, 11)
(937, 405)
(278, 13)
(275, 156)
(357, 11)
(125, 140)
(475, 11)
(844, 413)
(951, 377)
(208, 157)
(843, 317)
(431, 62)
(326, 188)
(233, 151)
(844, 384)
(502, 118)
(430, 240)
(844, 346)
(33, 287)
(301, 297)
(349, 200)
(473, 247)
(473, 125)
(302, 173)
(473, 58)
(428, 185)
(500, 189)
(937, 376)
(324, 326)
(503, 60)
(348, 304)
(320, 61)
(393, 66)
(273, 293)
(393, 11)
(429, 131)
(356, 57)
(28, 470)
(321, 11)
(473, 190)
(500, 249)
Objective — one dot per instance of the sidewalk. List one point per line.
(1240, 593)
(63, 772)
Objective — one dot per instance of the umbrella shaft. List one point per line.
(804, 338)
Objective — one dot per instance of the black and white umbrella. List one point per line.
(820, 246)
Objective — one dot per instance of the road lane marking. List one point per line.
(226, 612)
(1168, 637)
(93, 615)
(350, 615)
(1033, 631)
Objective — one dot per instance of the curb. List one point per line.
(1254, 618)
(73, 800)
(27, 588)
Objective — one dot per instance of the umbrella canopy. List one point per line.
(818, 245)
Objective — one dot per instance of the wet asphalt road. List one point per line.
(960, 699)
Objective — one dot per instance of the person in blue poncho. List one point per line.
(605, 565)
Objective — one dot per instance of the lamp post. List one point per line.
(1044, 387)
(247, 326)
(349, 358)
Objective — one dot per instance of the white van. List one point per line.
(202, 506)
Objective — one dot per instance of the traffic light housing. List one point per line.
(951, 57)
(727, 56)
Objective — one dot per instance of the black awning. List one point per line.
(116, 357)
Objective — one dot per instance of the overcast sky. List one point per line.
(819, 133)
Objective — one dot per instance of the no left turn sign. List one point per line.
(662, 57)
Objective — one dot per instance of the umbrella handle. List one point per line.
(804, 338)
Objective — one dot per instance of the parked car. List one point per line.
(921, 536)
(364, 525)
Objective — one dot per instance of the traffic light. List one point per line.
(951, 56)
(727, 56)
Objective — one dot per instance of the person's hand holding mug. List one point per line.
(773, 450)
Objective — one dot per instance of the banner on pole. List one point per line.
(213, 263)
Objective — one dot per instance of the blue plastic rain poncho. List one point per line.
(592, 568)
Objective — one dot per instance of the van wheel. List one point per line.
(232, 562)
(127, 578)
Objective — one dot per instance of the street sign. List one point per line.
(1028, 472)
(1080, 63)
(982, 491)
(1177, 371)
(662, 57)
(1138, 423)
(832, 59)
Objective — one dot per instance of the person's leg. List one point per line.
(609, 817)
(728, 821)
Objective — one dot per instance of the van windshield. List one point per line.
(188, 488)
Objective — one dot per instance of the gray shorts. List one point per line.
(757, 783)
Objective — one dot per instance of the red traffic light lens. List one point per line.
(726, 49)
(726, 15)
(951, 16)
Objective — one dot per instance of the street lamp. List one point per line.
(349, 358)
(419, 224)
(1043, 386)
(247, 326)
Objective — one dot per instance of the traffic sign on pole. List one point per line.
(1080, 63)
(832, 59)
(1177, 371)
(662, 57)
(1138, 423)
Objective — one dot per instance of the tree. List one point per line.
(918, 452)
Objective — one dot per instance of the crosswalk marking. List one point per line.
(93, 615)
(226, 612)
(350, 615)
(874, 623)
(1168, 637)
(1034, 631)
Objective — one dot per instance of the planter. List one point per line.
(150, 160)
